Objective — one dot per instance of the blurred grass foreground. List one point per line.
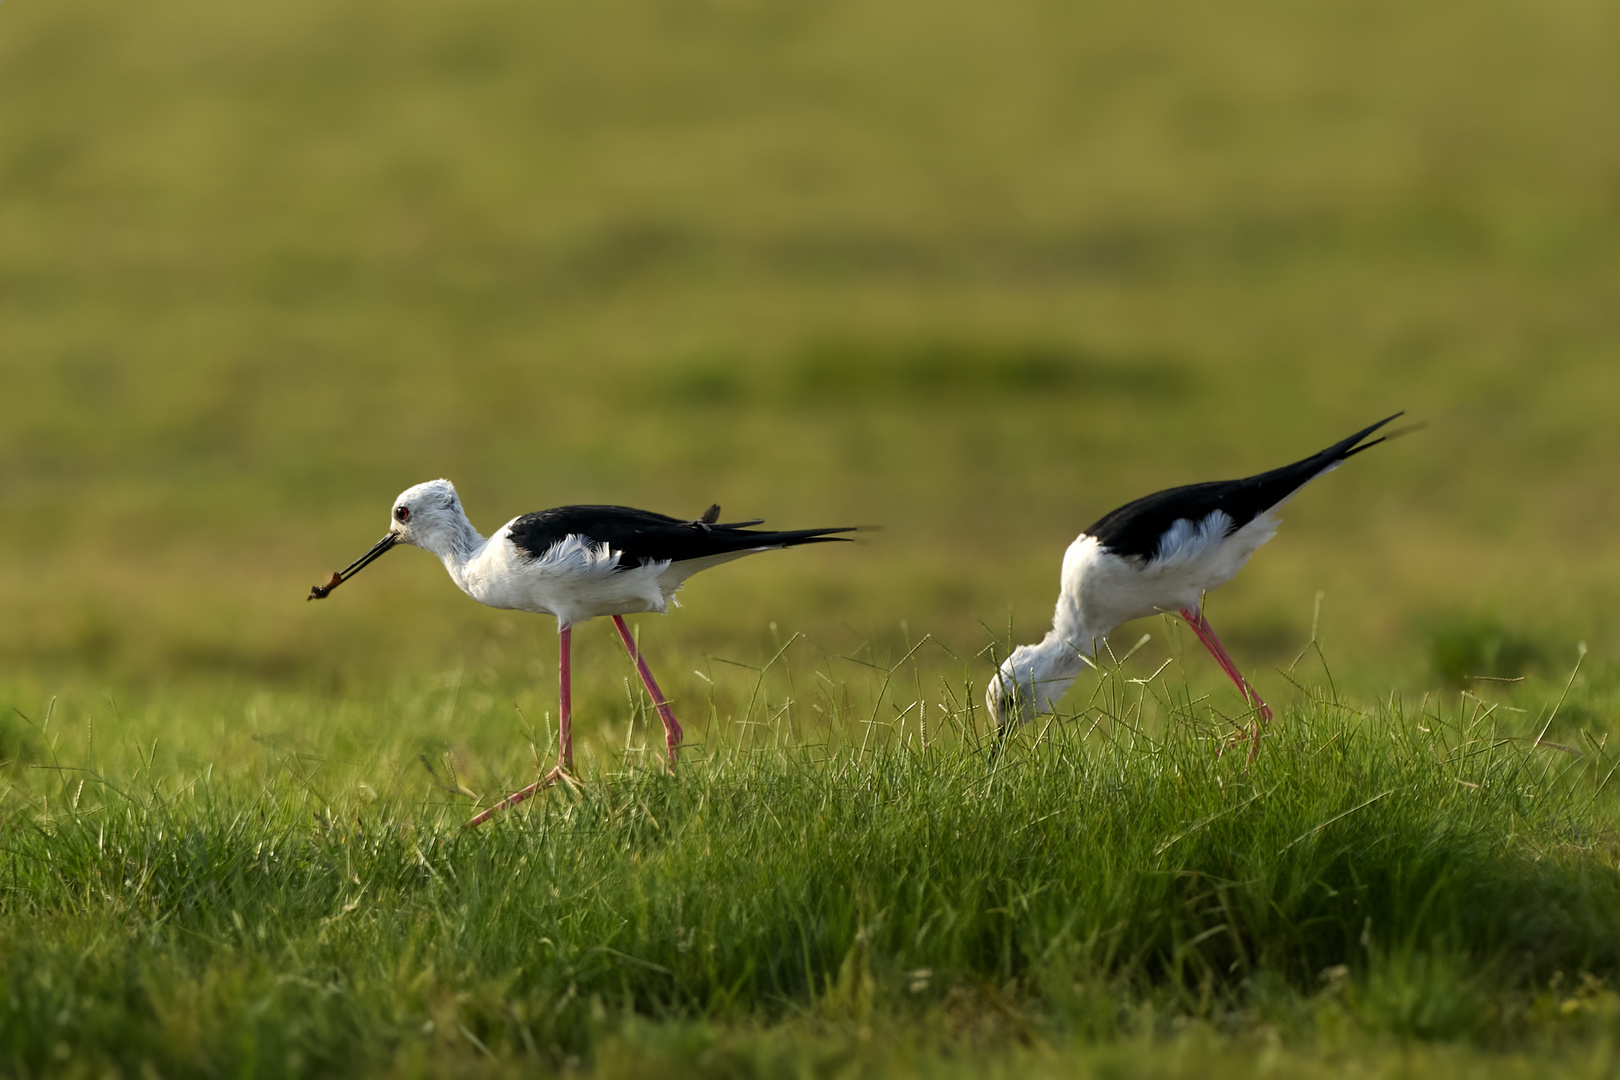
(974, 273)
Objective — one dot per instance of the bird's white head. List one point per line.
(429, 515)
(1030, 680)
(1010, 700)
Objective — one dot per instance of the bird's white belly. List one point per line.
(574, 581)
(1116, 591)
(1107, 590)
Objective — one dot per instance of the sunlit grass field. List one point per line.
(974, 274)
(822, 888)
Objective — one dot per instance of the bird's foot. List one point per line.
(1249, 737)
(1262, 715)
(1248, 734)
(559, 774)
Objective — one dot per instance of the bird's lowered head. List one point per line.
(1031, 679)
(429, 516)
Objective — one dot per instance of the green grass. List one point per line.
(854, 895)
(977, 274)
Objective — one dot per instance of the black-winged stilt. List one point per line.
(573, 562)
(1160, 553)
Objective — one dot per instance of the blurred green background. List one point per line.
(976, 273)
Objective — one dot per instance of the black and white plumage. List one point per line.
(1160, 553)
(573, 562)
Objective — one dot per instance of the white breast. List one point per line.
(573, 580)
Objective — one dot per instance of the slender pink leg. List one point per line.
(1206, 634)
(565, 697)
(672, 726)
(565, 731)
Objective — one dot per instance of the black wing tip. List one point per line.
(800, 537)
(710, 521)
(826, 536)
(796, 535)
(1354, 445)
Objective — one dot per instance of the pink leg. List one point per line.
(1206, 634)
(565, 731)
(672, 727)
(565, 697)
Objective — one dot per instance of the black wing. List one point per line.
(1136, 528)
(643, 536)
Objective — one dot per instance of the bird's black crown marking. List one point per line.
(1135, 530)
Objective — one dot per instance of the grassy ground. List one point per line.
(974, 274)
(1400, 887)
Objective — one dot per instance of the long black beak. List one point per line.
(1001, 741)
(319, 592)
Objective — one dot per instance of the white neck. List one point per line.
(1071, 629)
(1044, 671)
(1049, 667)
(456, 543)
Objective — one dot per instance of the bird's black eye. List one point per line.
(402, 513)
